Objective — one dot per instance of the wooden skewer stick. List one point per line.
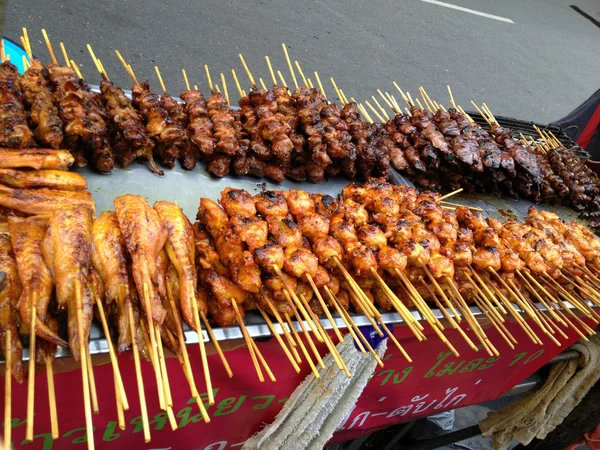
(271, 71)
(515, 314)
(120, 413)
(310, 83)
(489, 293)
(31, 374)
(28, 43)
(160, 79)
(208, 78)
(489, 113)
(284, 329)
(357, 332)
(298, 304)
(138, 374)
(320, 84)
(403, 95)
(262, 361)
(49, 45)
(387, 101)
(580, 305)
(8, 392)
(289, 63)
(337, 91)
(418, 300)
(540, 298)
(337, 307)
(489, 122)
(237, 83)
(262, 84)
(280, 341)
(379, 116)
(119, 387)
(324, 307)
(301, 73)
(248, 340)
(553, 327)
(440, 291)
(250, 77)
(428, 105)
(153, 349)
(185, 78)
(126, 66)
(315, 371)
(65, 54)
(495, 324)
(76, 70)
(399, 306)
(466, 312)
(225, 91)
(435, 328)
(448, 195)
(52, 398)
(361, 301)
(464, 206)
(384, 112)
(84, 368)
(344, 96)
(419, 103)
(89, 47)
(92, 379)
(329, 344)
(451, 97)
(163, 366)
(433, 103)
(304, 330)
(203, 357)
(353, 287)
(281, 78)
(216, 344)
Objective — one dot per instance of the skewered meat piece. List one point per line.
(67, 248)
(189, 152)
(271, 203)
(167, 134)
(13, 120)
(26, 237)
(128, 124)
(42, 111)
(221, 117)
(54, 179)
(36, 158)
(237, 203)
(9, 299)
(111, 259)
(144, 235)
(224, 292)
(181, 250)
(43, 201)
(200, 126)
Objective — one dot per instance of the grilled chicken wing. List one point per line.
(26, 236)
(44, 201)
(67, 248)
(55, 179)
(144, 236)
(110, 258)
(182, 253)
(36, 158)
(9, 297)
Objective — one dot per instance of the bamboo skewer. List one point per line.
(289, 63)
(153, 349)
(8, 392)
(203, 357)
(304, 330)
(580, 305)
(303, 348)
(418, 299)
(448, 195)
(138, 374)
(496, 325)
(49, 45)
(337, 91)
(286, 331)
(113, 356)
(440, 291)
(320, 85)
(438, 331)
(92, 380)
(120, 413)
(84, 367)
(324, 307)
(31, 374)
(298, 304)
(284, 347)
(52, 398)
(262, 361)
(28, 44)
(490, 294)
(515, 314)
(333, 301)
(357, 331)
(248, 340)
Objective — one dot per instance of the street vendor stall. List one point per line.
(251, 242)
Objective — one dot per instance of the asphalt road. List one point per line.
(539, 67)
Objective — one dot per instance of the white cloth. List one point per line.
(317, 406)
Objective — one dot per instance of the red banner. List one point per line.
(435, 381)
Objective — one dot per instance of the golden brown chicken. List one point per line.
(44, 201)
(9, 298)
(299, 203)
(212, 217)
(224, 291)
(67, 248)
(110, 258)
(237, 203)
(36, 158)
(144, 235)
(182, 253)
(251, 230)
(54, 179)
(207, 256)
(313, 225)
(271, 203)
(269, 256)
(285, 232)
(26, 236)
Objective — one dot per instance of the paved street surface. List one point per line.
(534, 60)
